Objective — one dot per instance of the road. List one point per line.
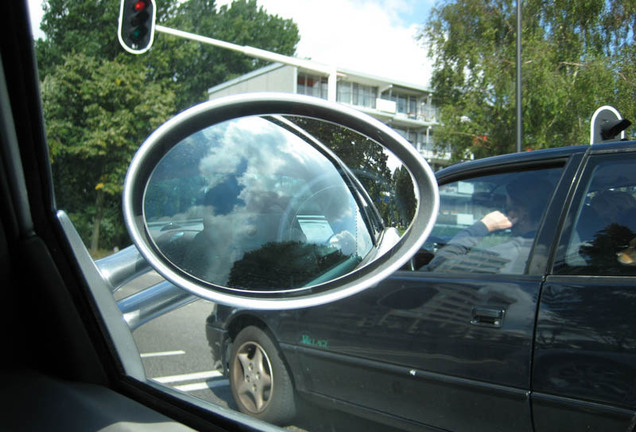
(175, 353)
(174, 349)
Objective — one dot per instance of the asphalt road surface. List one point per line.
(175, 352)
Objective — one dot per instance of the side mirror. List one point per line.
(277, 201)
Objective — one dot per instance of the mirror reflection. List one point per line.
(263, 203)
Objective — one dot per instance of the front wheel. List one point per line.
(261, 385)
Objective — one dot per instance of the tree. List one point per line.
(195, 67)
(84, 26)
(577, 56)
(406, 201)
(101, 102)
(97, 114)
(366, 159)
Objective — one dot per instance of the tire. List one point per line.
(260, 383)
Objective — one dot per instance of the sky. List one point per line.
(376, 37)
(372, 36)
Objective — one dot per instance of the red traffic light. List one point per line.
(140, 5)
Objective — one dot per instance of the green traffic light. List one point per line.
(138, 33)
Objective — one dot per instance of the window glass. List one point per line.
(100, 102)
(603, 238)
(401, 103)
(312, 85)
(344, 92)
(488, 224)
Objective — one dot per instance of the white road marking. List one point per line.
(162, 354)
(188, 377)
(201, 386)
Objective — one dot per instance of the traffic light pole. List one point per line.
(261, 54)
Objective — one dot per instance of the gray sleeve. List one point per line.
(459, 245)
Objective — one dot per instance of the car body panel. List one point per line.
(584, 366)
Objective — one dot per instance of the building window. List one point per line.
(404, 104)
(412, 137)
(357, 94)
(312, 85)
(344, 92)
(412, 106)
(428, 112)
(400, 103)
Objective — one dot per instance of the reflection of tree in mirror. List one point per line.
(369, 162)
(286, 265)
(405, 195)
(602, 253)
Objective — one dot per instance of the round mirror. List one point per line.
(286, 204)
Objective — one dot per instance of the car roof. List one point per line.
(529, 158)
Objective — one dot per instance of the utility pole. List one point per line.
(519, 108)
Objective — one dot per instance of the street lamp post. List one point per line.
(518, 82)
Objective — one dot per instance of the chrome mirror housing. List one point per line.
(277, 201)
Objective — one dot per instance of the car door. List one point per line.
(447, 345)
(584, 375)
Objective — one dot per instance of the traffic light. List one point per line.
(137, 25)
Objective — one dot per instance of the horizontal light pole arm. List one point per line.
(247, 50)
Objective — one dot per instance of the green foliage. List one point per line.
(97, 112)
(83, 26)
(194, 67)
(576, 55)
(284, 265)
(405, 197)
(100, 102)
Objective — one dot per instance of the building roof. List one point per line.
(361, 77)
(246, 77)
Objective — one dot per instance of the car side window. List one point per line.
(488, 224)
(602, 241)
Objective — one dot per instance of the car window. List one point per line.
(441, 74)
(602, 240)
(488, 224)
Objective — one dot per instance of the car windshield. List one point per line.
(442, 344)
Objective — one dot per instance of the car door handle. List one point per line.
(488, 317)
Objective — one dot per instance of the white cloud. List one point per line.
(370, 36)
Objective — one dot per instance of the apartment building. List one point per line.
(407, 108)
